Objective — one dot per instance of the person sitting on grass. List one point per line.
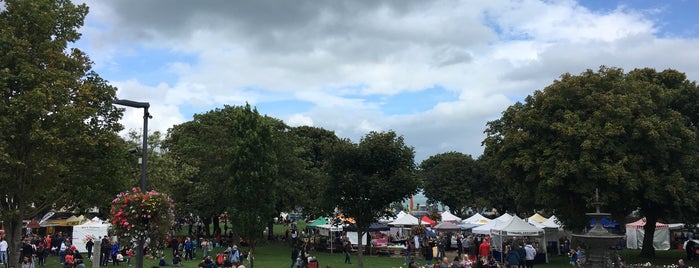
(163, 262)
(176, 261)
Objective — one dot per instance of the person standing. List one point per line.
(530, 254)
(522, 254)
(406, 251)
(512, 258)
(188, 249)
(3, 251)
(459, 245)
(89, 246)
(680, 264)
(690, 247)
(348, 251)
(484, 250)
(294, 256)
(104, 251)
(204, 248)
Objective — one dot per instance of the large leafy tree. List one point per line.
(205, 143)
(306, 187)
(450, 178)
(235, 153)
(58, 146)
(632, 135)
(366, 178)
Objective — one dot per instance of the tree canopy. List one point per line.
(632, 135)
(58, 142)
(450, 178)
(365, 178)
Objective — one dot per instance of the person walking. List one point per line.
(530, 254)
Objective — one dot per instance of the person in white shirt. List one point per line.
(530, 254)
(3, 251)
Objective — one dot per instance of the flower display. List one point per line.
(136, 215)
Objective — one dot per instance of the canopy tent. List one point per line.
(374, 227)
(504, 217)
(553, 231)
(552, 222)
(91, 230)
(427, 220)
(476, 219)
(446, 226)
(635, 234)
(517, 227)
(406, 220)
(447, 216)
(536, 218)
(73, 220)
(390, 219)
(467, 226)
(485, 228)
(318, 222)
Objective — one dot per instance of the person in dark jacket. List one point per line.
(512, 258)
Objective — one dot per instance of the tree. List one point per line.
(234, 150)
(58, 146)
(633, 136)
(305, 189)
(449, 178)
(366, 178)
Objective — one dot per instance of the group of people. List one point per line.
(472, 251)
(301, 256)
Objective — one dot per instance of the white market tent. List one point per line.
(553, 230)
(485, 228)
(390, 219)
(476, 219)
(406, 220)
(93, 229)
(552, 222)
(517, 227)
(447, 216)
(504, 217)
(635, 234)
(536, 218)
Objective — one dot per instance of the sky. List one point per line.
(434, 72)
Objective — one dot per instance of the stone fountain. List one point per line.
(598, 242)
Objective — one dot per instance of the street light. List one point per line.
(144, 163)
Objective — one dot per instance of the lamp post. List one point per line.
(144, 163)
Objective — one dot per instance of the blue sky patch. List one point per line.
(414, 101)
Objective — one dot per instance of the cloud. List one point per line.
(338, 58)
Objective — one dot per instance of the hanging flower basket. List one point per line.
(136, 215)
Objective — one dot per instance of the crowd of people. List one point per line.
(472, 251)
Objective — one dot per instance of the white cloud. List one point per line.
(335, 55)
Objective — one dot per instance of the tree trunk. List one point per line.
(648, 251)
(217, 227)
(15, 241)
(360, 248)
(207, 223)
(270, 230)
